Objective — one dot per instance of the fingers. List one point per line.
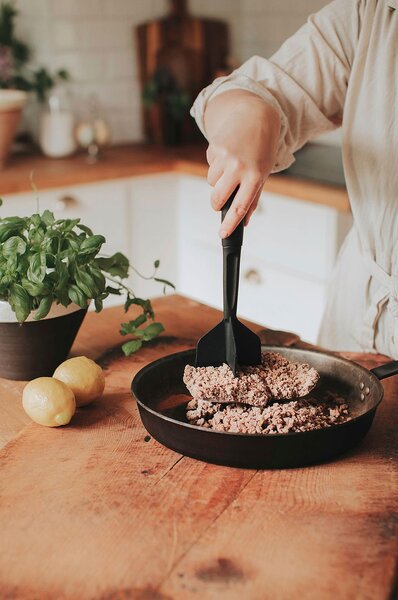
(247, 194)
(253, 206)
(210, 154)
(215, 171)
(223, 189)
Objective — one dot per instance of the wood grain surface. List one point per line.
(99, 510)
(134, 160)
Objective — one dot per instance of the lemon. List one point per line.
(48, 402)
(84, 377)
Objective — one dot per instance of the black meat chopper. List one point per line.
(230, 341)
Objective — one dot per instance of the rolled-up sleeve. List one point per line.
(306, 80)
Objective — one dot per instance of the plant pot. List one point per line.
(11, 104)
(35, 348)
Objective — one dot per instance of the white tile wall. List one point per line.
(94, 40)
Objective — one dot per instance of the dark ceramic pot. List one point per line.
(35, 348)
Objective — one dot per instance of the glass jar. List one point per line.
(57, 124)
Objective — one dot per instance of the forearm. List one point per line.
(239, 105)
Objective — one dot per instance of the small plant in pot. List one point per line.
(50, 271)
(18, 77)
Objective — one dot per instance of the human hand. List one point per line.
(243, 132)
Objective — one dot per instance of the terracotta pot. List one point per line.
(11, 104)
(35, 348)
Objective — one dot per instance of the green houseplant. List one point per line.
(51, 270)
(167, 105)
(18, 77)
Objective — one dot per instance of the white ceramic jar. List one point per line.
(57, 125)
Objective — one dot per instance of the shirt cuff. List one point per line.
(284, 157)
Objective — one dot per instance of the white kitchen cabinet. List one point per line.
(21, 205)
(153, 230)
(288, 255)
(296, 235)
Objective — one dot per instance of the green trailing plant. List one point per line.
(15, 55)
(44, 260)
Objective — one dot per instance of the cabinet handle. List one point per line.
(253, 276)
(66, 202)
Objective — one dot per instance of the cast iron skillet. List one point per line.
(361, 389)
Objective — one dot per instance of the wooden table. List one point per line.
(99, 510)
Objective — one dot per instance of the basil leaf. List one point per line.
(35, 289)
(19, 301)
(37, 267)
(14, 245)
(7, 228)
(44, 307)
(85, 282)
(92, 244)
(131, 347)
(112, 290)
(145, 305)
(116, 265)
(85, 229)
(99, 279)
(48, 217)
(77, 296)
(165, 282)
(131, 326)
(99, 305)
(150, 332)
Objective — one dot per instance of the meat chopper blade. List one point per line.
(230, 341)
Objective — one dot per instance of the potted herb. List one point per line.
(17, 78)
(167, 105)
(50, 270)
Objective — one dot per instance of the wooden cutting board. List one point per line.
(99, 510)
(192, 49)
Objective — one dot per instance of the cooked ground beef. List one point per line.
(297, 415)
(276, 378)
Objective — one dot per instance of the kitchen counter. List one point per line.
(129, 161)
(99, 510)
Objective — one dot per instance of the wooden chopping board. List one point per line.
(99, 510)
(192, 49)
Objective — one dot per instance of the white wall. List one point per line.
(93, 39)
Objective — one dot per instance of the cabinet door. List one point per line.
(281, 299)
(267, 294)
(197, 221)
(153, 230)
(101, 206)
(296, 235)
(18, 205)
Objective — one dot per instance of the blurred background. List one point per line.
(93, 40)
(94, 101)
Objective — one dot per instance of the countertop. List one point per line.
(133, 160)
(98, 510)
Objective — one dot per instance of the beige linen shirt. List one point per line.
(341, 68)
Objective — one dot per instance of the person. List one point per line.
(339, 69)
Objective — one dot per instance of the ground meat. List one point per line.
(276, 378)
(297, 415)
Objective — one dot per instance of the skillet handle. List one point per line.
(387, 370)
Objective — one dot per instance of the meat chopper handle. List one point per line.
(236, 237)
(387, 370)
(231, 263)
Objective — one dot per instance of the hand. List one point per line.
(243, 132)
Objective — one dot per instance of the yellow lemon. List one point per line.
(84, 377)
(48, 402)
